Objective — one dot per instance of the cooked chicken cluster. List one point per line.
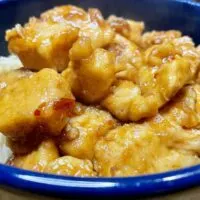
(98, 97)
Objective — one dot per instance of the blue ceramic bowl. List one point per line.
(183, 15)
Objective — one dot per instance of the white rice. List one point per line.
(5, 152)
(7, 64)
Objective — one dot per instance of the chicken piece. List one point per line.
(83, 131)
(127, 58)
(39, 158)
(130, 29)
(130, 64)
(184, 109)
(68, 14)
(94, 76)
(70, 166)
(158, 55)
(127, 102)
(91, 25)
(158, 37)
(174, 136)
(9, 78)
(41, 44)
(45, 42)
(135, 149)
(175, 159)
(151, 78)
(189, 51)
(178, 122)
(39, 103)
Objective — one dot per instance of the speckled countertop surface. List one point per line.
(12, 194)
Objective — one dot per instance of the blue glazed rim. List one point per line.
(191, 2)
(76, 186)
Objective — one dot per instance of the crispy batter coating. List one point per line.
(94, 76)
(127, 57)
(135, 149)
(178, 123)
(39, 158)
(45, 42)
(40, 102)
(174, 136)
(184, 109)
(71, 166)
(83, 131)
(91, 24)
(130, 29)
(166, 142)
(158, 37)
(41, 44)
(151, 79)
(127, 103)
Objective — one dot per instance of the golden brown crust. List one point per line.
(45, 42)
(149, 78)
(70, 166)
(28, 105)
(83, 131)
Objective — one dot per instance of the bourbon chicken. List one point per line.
(88, 96)
(55, 38)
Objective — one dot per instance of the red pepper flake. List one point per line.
(64, 104)
(41, 107)
(37, 113)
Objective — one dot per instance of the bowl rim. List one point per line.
(142, 185)
(83, 186)
(183, 1)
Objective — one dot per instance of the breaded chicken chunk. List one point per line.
(39, 103)
(177, 124)
(184, 108)
(41, 44)
(166, 142)
(148, 80)
(70, 166)
(39, 158)
(128, 102)
(91, 24)
(174, 136)
(158, 37)
(83, 131)
(138, 96)
(130, 29)
(128, 58)
(45, 42)
(46, 159)
(94, 76)
(136, 149)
